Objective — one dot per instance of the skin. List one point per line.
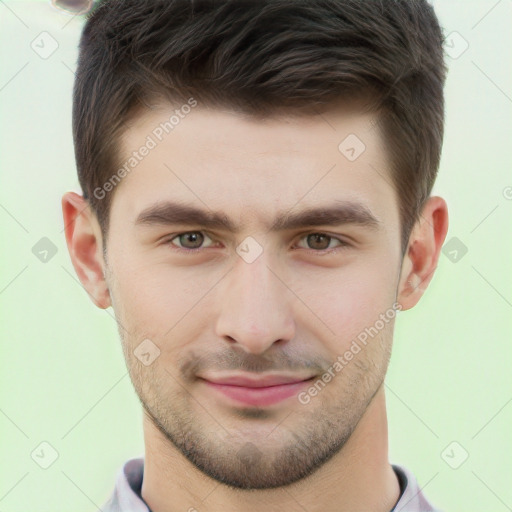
(292, 310)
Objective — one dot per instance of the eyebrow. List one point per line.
(339, 213)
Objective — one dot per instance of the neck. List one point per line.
(358, 477)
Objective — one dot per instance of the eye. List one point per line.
(320, 242)
(191, 241)
(188, 241)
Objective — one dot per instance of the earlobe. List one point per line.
(422, 255)
(84, 242)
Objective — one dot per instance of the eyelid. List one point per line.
(343, 242)
(167, 240)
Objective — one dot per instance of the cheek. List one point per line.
(158, 301)
(346, 301)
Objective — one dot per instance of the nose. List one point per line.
(255, 309)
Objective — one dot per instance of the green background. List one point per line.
(62, 373)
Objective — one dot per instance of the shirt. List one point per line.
(126, 496)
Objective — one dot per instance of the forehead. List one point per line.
(232, 162)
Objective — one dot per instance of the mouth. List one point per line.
(258, 391)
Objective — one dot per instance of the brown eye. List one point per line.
(322, 242)
(191, 240)
(318, 241)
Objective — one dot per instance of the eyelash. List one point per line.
(344, 244)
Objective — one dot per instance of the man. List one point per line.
(256, 209)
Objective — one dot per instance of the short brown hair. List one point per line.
(261, 57)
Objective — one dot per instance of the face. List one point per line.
(238, 327)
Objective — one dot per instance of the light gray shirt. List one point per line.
(126, 496)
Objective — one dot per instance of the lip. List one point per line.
(257, 391)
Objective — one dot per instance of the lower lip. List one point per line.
(264, 396)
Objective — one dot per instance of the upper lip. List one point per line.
(254, 381)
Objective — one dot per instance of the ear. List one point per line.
(423, 250)
(84, 241)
